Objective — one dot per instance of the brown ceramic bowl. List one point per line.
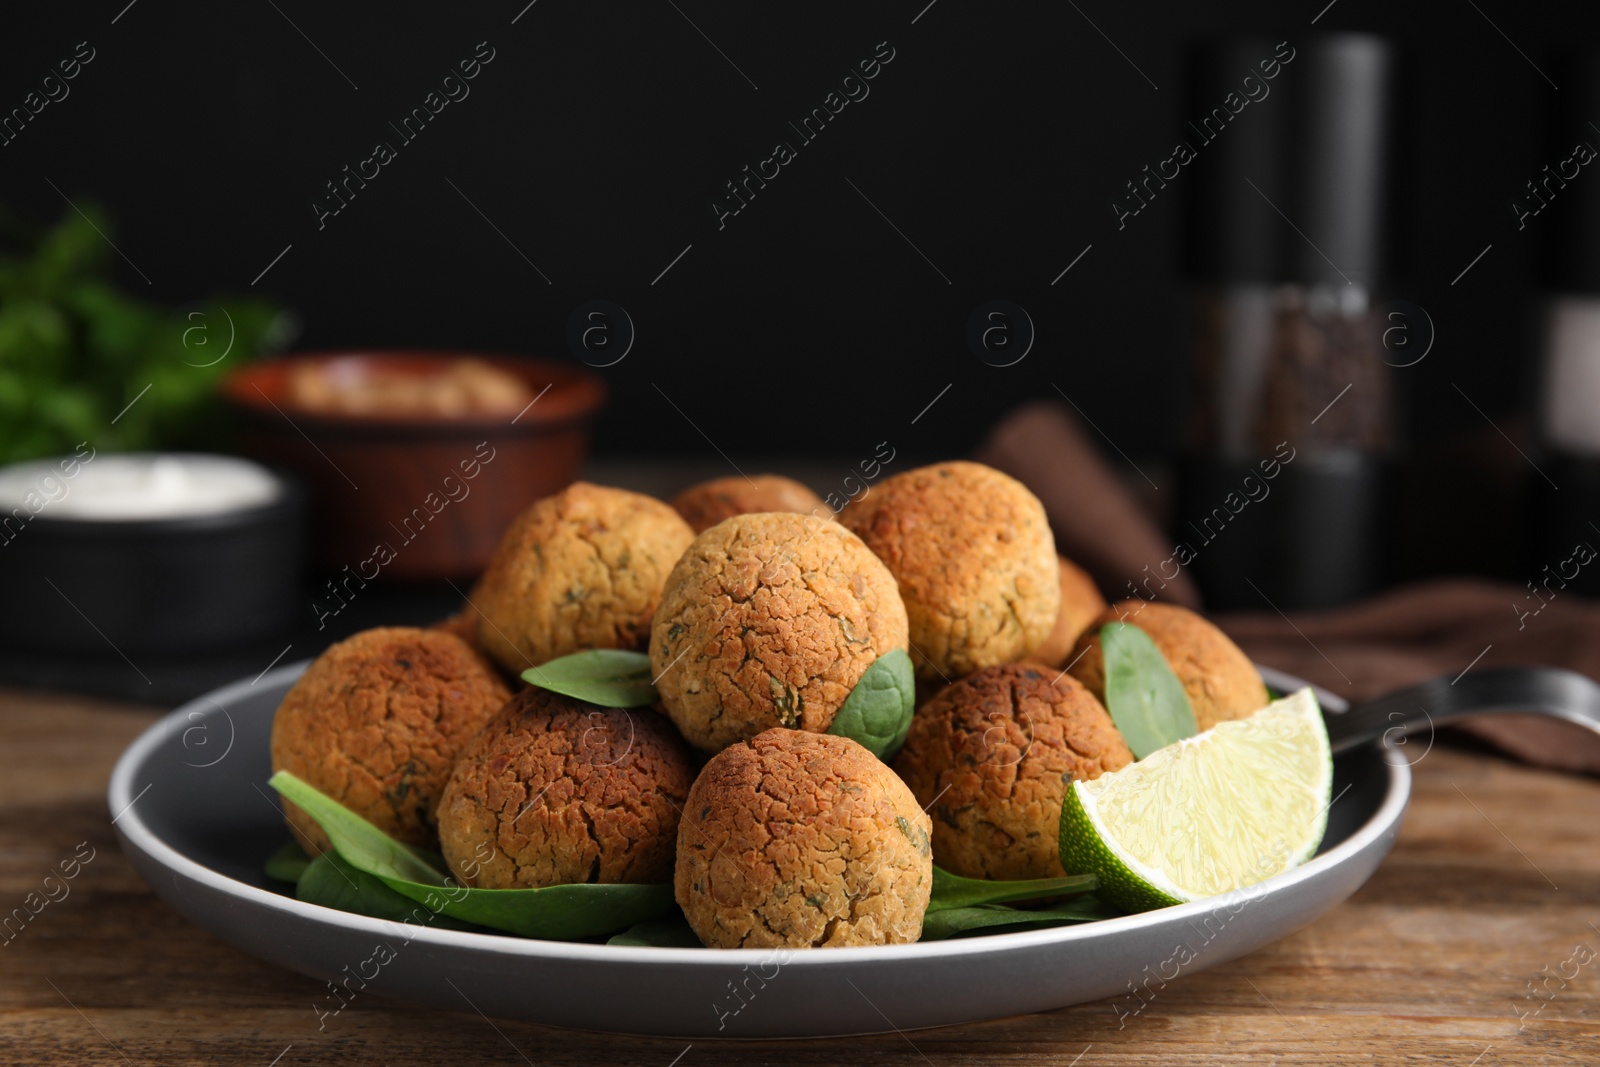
(417, 497)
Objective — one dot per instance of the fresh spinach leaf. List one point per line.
(288, 863)
(669, 931)
(997, 918)
(331, 881)
(357, 840)
(559, 912)
(610, 677)
(1144, 697)
(877, 713)
(951, 891)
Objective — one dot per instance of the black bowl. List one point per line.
(154, 585)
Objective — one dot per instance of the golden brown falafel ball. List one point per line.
(578, 570)
(376, 722)
(554, 790)
(975, 560)
(801, 840)
(1221, 681)
(992, 757)
(1080, 603)
(770, 620)
(706, 504)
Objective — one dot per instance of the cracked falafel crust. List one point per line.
(802, 840)
(578, 570)
(376, 722)
(706, 504)
(976, 562)
(556, 791)
(1221, 681)
(770, 620)
(993, 756)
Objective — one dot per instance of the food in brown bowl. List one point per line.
(417, 460)
(463, 387)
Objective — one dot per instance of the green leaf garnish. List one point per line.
(610, 677)
(877, 713)
(288, 863)
(1144, 697)
(951, 891)
(997, 918)
(558, 912)
(331, 881)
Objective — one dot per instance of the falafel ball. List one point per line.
(975, 559)
(802, 840)
(555, 790)
(377, 721)
(1081, 602)
(993, 755)
(706, 504)
(1221, 681)
(770, 620)
(578, 570)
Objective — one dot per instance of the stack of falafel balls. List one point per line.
(760, 610)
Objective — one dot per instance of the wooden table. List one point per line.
(1430, 963)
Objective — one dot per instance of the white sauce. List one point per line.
(112, 488)
(1572, 374)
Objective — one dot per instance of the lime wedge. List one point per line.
(1215, 812)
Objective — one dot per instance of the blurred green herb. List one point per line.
(75, 350)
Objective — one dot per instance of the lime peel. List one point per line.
(1209, 814)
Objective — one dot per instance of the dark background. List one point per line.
(596, 138)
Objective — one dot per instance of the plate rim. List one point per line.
(135, 833)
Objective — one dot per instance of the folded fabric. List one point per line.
(1390, 641)
(1441, 627)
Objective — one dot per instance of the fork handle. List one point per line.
(1551, 691)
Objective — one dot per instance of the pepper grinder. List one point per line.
(1563, 206)
(1291, 428)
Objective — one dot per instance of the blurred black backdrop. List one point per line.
(598, 136)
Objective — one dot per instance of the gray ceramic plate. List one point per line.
(193, 812)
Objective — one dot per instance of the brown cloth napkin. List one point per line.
(1390, 641)
(1441, 627)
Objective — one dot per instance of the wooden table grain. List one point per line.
(1476, 944)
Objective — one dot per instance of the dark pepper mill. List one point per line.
(1562, 208)
(1291, 425)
